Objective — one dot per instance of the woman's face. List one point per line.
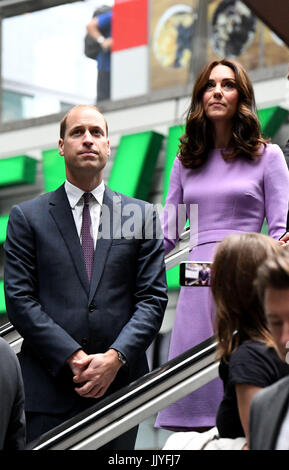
(220, 98)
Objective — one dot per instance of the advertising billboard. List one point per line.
(172, 27)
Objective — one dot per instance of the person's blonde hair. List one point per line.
(239, 312)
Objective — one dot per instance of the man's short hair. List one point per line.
(274, 272)
(64, 119)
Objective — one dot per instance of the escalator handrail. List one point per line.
(109, 409)
(6, 329)
(96, 438)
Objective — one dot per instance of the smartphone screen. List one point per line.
(195, 273)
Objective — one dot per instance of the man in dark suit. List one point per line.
(86, 292)
(12, 422)
(269, 414)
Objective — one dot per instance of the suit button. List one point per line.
(84, 342)
(91, 308)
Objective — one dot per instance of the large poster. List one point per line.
(171, 35)
(235, 32)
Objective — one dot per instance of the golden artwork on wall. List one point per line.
(172, 29)
(233, 31)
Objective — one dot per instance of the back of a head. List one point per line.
(237, 302)
(101, 10)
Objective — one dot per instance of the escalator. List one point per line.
(11, 335)
(128, 407)
(140, 400)
(133, 404)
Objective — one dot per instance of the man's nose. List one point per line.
(87, 137)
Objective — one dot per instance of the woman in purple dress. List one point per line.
(236, 179)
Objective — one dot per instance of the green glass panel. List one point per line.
(172, 148)
(17, 170)
(3, 228)
(53, 170)
(134, 164)
(271, 119)
(2, 298)
(173, 278)
(264, 229)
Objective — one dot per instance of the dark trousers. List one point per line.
(103, 85)
(38, 424)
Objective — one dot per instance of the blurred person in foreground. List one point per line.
(246, 348)
(247, 352)
(236, 178)
(286, 147)
(85, 292)
(269, 416)
(12, 421)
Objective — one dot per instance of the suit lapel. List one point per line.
(61, 212)
(108, 229)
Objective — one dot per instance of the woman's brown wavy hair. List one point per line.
(198, 139)
(238, 305)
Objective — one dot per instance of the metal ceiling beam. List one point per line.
(275, 14)
(10, 8)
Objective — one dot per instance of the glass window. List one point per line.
(43, 61)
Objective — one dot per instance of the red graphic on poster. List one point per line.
(130, 24)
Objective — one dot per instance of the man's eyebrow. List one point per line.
(77, 127)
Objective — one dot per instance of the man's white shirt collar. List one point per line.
(75, 194)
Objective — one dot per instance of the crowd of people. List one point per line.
(85, 333)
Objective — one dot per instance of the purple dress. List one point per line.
(232, 197)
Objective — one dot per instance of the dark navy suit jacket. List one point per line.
(56, 310)
(267, 411)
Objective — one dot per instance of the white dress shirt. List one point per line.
(75, 199)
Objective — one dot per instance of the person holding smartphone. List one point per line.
(236, 178)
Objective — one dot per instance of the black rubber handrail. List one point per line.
(109, 406)
(5, 329)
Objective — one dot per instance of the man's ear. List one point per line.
(60, 147)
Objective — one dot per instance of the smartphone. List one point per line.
(195, 273)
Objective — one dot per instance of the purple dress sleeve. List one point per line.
(171, 211)
(276, 190)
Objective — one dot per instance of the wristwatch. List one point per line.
(100, 39)
(121, 358)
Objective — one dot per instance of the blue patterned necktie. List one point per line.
(86, 235)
